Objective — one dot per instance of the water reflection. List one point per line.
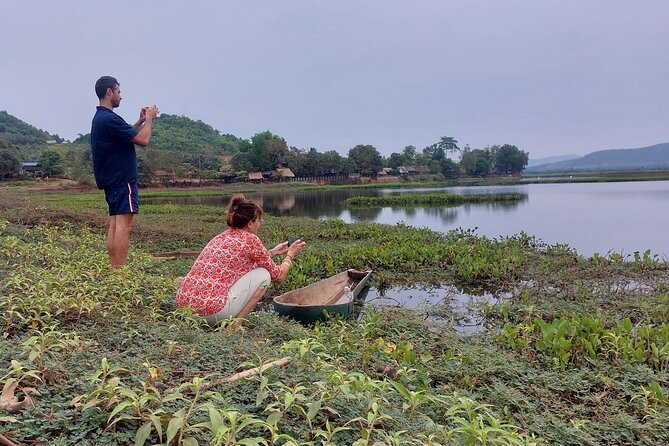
(329, 204)
(589, 217)
(458, 307)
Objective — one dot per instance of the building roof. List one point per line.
(415, 169)
(255, 176)
(285, 172)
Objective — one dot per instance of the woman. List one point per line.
(232, 273)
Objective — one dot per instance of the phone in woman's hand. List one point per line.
(292, 240)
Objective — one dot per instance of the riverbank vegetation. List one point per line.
(578, 353)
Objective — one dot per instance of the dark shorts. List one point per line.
(122, 199)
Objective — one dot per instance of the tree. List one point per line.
(9, 161)
(477, 162)
(311, 163)
(367, 158)
(409, 154)
(396, 160)
(264, 147)
(241, 162)
(509, 159)
(51, 163)
(439, 151)
(80, 164)
(332, 162)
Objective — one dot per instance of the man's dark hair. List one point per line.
(103, 83)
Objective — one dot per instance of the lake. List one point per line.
(621, 217)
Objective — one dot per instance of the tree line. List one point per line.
(185, 148)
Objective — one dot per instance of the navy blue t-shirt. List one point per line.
(114, 157)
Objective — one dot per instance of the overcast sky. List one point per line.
(551, 77)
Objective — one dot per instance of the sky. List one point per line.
(552, 77)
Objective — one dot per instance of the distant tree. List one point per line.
(241, 162)
(509, 159)
(9, 160)
(145, 171)
(367, 158)
(264, 147)
(52, 163)
(349, 166)
(396, 160)
(449, 168)
(311, 163)
(477, 162)
(440, 150)
(82, 139)
(80, 163)
(277, 149)
(332, 162)
(409, 154)
(295, 160)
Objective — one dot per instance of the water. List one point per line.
(448, 303)
(593, 218)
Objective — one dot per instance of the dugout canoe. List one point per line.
(309, 304)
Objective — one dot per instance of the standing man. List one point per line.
(115, 163)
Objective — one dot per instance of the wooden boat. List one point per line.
(309, 304)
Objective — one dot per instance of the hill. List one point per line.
(654, 157)
(549, 159)
(172, 132)
(182, 134)
(19, 133)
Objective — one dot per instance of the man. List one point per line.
(115, 163)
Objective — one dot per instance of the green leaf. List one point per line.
(158, 425)
(314, 407)
(143, 434)
(118, 409)
(174, 426)
(8, 420)
(216, 419)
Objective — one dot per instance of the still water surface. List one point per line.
(591, 217)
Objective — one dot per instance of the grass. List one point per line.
(115, 363)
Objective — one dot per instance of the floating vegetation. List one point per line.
(433, 199)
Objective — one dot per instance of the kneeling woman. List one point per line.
(233, 271)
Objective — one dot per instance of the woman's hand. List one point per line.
(279, 249)
(295, 248)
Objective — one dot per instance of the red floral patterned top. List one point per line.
(225, 259)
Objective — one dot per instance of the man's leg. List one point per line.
(110, 238)
(119, 239)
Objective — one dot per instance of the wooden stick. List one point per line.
(251, 372)
(6, 441)
(243, 374)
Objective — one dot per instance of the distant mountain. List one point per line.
(646, 158)
(550, 159)
(20, 133)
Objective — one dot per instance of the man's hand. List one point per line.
(149, 112)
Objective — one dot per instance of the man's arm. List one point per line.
(144, 135)
(142, 117)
